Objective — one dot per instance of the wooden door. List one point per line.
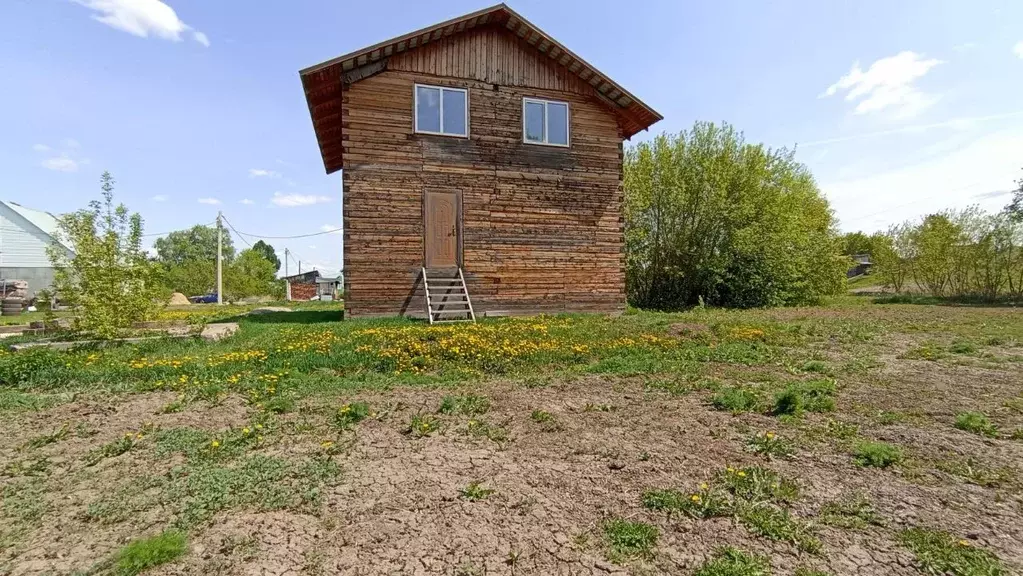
(441, 228)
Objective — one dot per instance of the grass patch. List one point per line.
(110, 449)
(770, 445)
(627, 539)
(939, 552)
(854, 512)
(469, 405)
(146, 553)
(541, 416)
(977, 423)
(350, 414)
(877, 454)
(976, 472)
(422, 425)
(729, 561)
(756, 484)
(735, 400)
(51, 438)
(475, 491)
(811, 396)
(962, 347)
(707, 502)
(479, 428)
(778, 524)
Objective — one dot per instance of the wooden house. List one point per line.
(481, 170)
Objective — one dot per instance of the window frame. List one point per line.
(546, 117)
(415, 110)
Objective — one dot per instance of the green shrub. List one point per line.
(730, 561)
(977, 423)
(145, 553)
(939, 552)
(877, 454)
(735, 400)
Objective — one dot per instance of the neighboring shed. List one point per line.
(302, 286)
(479, 157)
(24, 236)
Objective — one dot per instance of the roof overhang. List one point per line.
(322, 82)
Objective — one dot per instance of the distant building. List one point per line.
(312, 285)
(861, 265)
(24, 236)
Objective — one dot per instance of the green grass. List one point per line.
(853, 512)
(627, 539)
(770, 445)
(422, 425)
(729, 561)
(146, 553)
(811, 396)
(939, 552)
(350, 414)
(877, 454)
(469, 405)
(778, 524)
(977, 423)
(736, 400)
(541, 416)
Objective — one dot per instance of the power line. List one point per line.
(231, 226)
(289, 237)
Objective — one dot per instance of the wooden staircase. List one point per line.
(447, 299)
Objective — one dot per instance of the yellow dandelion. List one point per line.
(246, 431)
(215, 444)
(695, 498)
(326, 444)
(769, 435)
(964, 543)
(703, 486)
(740, 473)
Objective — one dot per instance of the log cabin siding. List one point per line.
(541, 225)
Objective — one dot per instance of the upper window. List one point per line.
(544, 122)
(441, 110)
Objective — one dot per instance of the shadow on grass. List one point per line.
(296, 317)
(923, 299)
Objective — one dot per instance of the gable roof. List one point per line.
(322, 82)
(44, 221)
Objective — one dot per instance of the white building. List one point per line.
(24, 236)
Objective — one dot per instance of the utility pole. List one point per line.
(299, 266)
(285, 262)
(220, 260)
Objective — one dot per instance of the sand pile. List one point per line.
(178, 299)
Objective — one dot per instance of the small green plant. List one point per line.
(350, 414)
(479, 428)
(735, 400)
(854, 512)
(145, 553)
(423, 425)
(598, 408)
(729, 561)
(811, 396)
(939, 552)
(777, 524)
(469, 405)
(628, 539)
(887, 418)
(976, 472)
(962, 347)
(876, 454)
(756, 484)
(51, 438)
(110, 449)
(475, 491)
(816, 366)
(977, 423)
(1017, 434)
(769, 444)
(541, 416)
(930, 352)
(707, 502)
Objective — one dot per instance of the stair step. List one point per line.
(449, 308)
(447, 297)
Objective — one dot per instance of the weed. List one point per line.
(469, 405)
(173, 407)
(481, 429)
(930, 352)
(735, 400)
(541, 416)
(854, 512)
(51, 438)
(145, 553)
(1014, 404)
(1017, 434)
(962, 347)
(939, 552)
(729, 561)
(812, 396)
(708, 502)
(777, 524)
(598, 408)
(876, 454)
(975, 472)
(629, 539)
(756, 484)
(350, 414)
(475, 492)
(422, 425)
(977, 423)
(816, 366)
(110, 449)
(769, 444)
(886, 418)
(645, 456)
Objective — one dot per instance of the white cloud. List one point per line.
(40, 147)
(263, 173)
(961, 123)
(60, 164)
(954, 179)
(142, 18)
(330, 228)
(292, 200)
(887, 84)
(1018, 49)
(159, 198)
(246, 202)
(210, 201)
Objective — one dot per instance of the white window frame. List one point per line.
(546, 116)
(415, 110)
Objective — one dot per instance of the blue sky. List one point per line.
(899, 108)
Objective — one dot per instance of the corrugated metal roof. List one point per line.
(42, 220)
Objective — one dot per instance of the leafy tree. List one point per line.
(197, 243)
(856, 243)
(1015, 208)
(192, 277)
(892, 256)
(108, 282)
(269, 253)
(711, 218)
(251, 274)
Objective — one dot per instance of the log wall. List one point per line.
(541, 225)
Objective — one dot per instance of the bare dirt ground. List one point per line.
(398, 504)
